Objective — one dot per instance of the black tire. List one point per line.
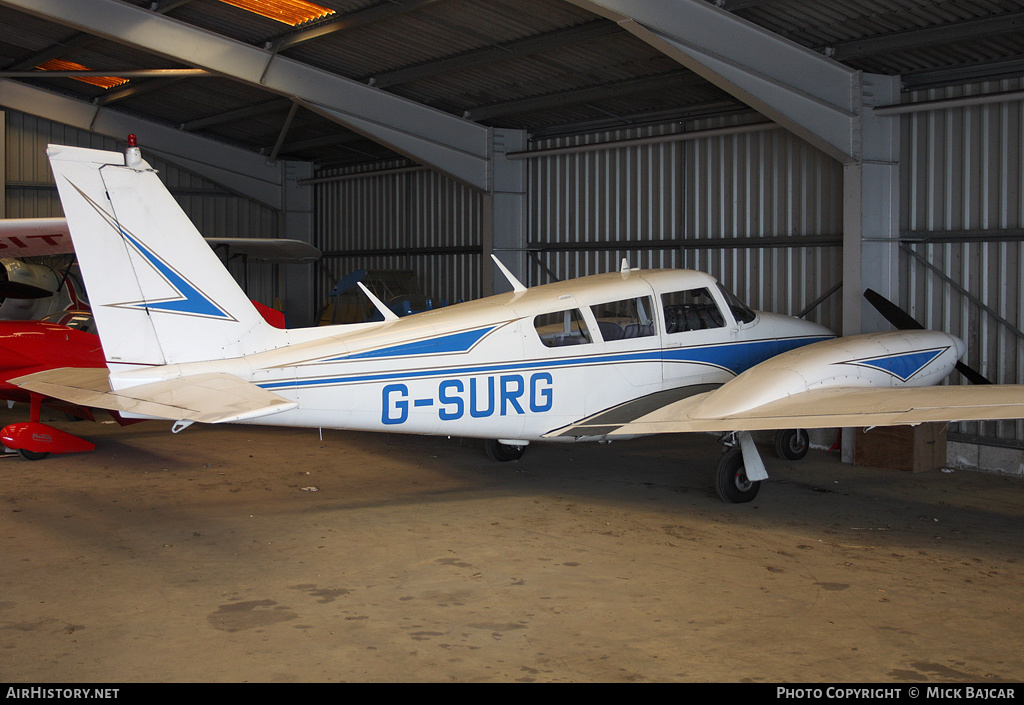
(502, 452)
(731, 481)
(791, 444)
(31, 454)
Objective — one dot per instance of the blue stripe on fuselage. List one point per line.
(453, 343)
(733, 357)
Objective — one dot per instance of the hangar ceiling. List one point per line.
(548, 67)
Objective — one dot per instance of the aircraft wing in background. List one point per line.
(34, 237)
(37, 237)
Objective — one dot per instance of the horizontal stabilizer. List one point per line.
(207, 398)
(830, 408)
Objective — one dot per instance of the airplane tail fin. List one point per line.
(159, 293)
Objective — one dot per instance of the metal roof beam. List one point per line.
(445, 142)
(238, 170)
(76, 41)
(980, 71)
(578, 96)
(114, 73)
(135, 88)
(271, 106)
(813, 96)
(80, 40)
(734, 5)
(500, 52)
(929, 36)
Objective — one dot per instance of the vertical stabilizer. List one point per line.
(159, 293)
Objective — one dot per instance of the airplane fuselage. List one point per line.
(516, 366)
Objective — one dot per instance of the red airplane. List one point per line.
(65, 337)
(62, 340)
(32, 346)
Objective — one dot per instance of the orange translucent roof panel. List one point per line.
(62, 65)
(290, 12)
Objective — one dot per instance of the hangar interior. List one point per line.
(800, 151)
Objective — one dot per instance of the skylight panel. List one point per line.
(291, 12)
(101, 81)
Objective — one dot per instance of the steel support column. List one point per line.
(505, 212)
(296, 280)
(818, 99)
(871, 210)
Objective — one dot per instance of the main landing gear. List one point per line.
(740, 470)
(504, 452)
(731, 481)
(791, 443)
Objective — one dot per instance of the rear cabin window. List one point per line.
(694, 309)
(626, 319)
(562, 328)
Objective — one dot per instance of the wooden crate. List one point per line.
(908, 448)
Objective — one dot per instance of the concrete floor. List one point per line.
(259, 554)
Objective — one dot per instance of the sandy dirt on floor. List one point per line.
(233, 554)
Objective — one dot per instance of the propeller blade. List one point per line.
(902, 320)
(899, 318)
(972, 375)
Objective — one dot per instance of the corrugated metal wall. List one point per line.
(754, 206)
(406, 219)
(962, 212)
(31, 193)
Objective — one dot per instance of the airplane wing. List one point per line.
(207, 398)
(281, 251)
(879, 379)
(820, 408)
(36, 237)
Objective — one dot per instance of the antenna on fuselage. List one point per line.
(516, 284)
(388, 314)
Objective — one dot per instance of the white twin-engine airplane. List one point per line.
(615, 355)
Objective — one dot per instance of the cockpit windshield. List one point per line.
(740, 310)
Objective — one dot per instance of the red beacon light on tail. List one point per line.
(133, 155)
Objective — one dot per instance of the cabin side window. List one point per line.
(562, 328)
(694, 309)
(626, 319)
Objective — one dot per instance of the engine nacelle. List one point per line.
(916, 358)
(23, 288)
(22, 280)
